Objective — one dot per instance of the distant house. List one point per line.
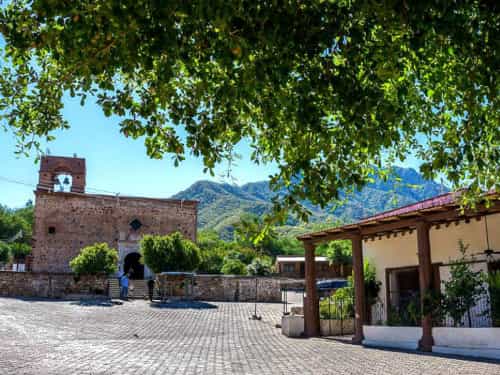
(293, 266)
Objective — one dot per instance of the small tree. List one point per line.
(212, 260)
(261, 266)
(95, 259)
(339, 252)
(234, 267)
(19, 250)
(463, 288)
(372, 285)
(4, 252)
(243, 254)
(170, 253)
(494, 289)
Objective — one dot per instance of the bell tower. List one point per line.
(51, 167)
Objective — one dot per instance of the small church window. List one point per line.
(52, 230)
(135, 224)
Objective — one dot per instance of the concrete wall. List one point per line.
(79, 220)
(401, 251)
(46, 285)
(477, 342)
(237, 288)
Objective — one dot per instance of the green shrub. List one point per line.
(95, 259)
(463, 289)
(234, 267)
(340, 305)
(170, 253)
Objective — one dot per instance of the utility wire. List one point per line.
(12, 181)
(16, 182)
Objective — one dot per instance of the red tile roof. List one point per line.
(437, 201)
(443, 201)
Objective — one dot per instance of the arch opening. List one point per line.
(132, 265)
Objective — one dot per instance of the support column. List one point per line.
(359, 288)
(425, 279)
(311, 306)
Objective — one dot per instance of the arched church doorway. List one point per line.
(132, 265)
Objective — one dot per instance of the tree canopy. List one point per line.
(16, 224)
(328, 90)
(16, 227)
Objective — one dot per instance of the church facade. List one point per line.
(68, 219)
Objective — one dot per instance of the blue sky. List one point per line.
(114, 163)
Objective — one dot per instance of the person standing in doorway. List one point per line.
(124, 282)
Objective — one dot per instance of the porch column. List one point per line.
(311, 307)
(425, 279)
(359, 288)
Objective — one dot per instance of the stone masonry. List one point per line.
(51, 285)
(237, 288)
(65, 222)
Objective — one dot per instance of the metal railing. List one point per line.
(405, 310)
(339, 313)
(478, 316)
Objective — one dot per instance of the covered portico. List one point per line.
(417, 220)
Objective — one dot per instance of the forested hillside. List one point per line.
(221, 205)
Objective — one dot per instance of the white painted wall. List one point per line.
(392, 337)
(478, 342)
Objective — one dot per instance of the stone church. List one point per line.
(68, 219)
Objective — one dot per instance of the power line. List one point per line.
(102, 191)
(12, 181)
(16, 182)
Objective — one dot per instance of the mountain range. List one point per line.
(222, 204)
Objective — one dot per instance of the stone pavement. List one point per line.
(61, 337)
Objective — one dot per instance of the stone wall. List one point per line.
(67, 222)
(50, 285)
(206, 287)
(237, 288)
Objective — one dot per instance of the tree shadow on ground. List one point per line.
(96, 302)
(104, 302)
(343, 340)
(197, 305)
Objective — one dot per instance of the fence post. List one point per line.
(341, 318)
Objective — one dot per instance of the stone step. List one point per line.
(137, 289)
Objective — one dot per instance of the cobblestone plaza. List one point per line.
(63, 337)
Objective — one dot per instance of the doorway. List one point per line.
(132, 264)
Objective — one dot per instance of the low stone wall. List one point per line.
(50, 285)
(206, 287)
(237, 288)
